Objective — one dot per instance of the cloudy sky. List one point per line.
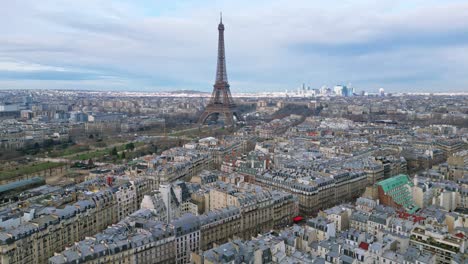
(154, 45)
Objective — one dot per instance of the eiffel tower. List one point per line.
(221, 103)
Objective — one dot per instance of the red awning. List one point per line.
(298, 219)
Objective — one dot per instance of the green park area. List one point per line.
(99, 153)
(69, 151)
(28, 169)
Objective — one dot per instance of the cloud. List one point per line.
(157, 45)
(19, 66)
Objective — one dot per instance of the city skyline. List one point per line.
(159, 46)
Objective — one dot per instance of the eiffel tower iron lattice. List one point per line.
(221, 102)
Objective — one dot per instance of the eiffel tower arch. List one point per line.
(221, 103)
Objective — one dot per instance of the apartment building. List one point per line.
(179, 163)
(52, 229)
(261, 209)
(315, 191)
(137, 239)
(437, 242)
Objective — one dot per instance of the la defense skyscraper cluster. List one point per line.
(221, 103)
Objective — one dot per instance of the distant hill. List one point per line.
(187, 92)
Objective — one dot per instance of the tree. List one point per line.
(155, 148)
(114, 152)
(91, 136)
(122, 156)
(130, 146)
(48, 143)
(64, 145)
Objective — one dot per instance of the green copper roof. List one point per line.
(392, 187)
(395, 182)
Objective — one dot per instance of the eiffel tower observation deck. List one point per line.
(221, 104)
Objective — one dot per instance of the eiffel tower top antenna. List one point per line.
(221, 74)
